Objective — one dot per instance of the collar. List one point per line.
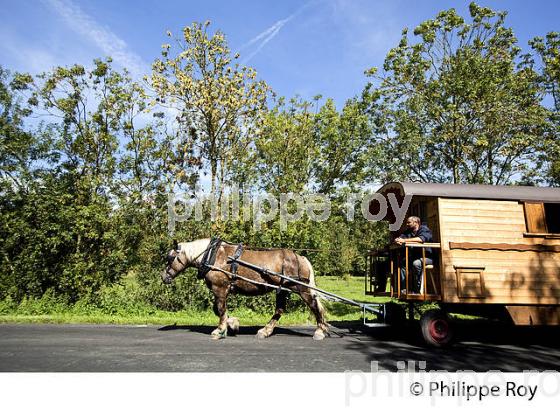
(208, 257)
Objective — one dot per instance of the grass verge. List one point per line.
(50, 310)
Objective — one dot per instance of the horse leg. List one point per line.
(314, 304)
(281, 299)
(233, 325)
(220, 310)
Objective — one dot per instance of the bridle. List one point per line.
(176, 265)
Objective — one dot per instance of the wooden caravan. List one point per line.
(496, 250)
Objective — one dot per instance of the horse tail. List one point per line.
(316, 295)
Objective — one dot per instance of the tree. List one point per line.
(87, 107)
(548, 50)
(307, 146)
(20, 148)
(460, 104)
(344, 139)
(220, 103)
(286, 147)
(64, 232)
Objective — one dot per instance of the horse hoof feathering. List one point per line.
(226, 271)
(319, 334)
(263, 333)
(233, 325)
(218, 334)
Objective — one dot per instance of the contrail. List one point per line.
(270, 33)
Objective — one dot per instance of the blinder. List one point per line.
(175, 265)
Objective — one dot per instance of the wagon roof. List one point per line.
(475, 191)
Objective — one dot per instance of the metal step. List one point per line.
(376, 324)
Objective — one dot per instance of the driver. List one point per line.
(416, 232)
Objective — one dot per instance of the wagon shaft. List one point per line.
(333, 296)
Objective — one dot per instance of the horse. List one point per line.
(224, 276)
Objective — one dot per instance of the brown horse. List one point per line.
(221, 279)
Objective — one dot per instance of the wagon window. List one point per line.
(542, 218)
(552, 214)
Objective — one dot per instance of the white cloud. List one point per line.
(111, 44)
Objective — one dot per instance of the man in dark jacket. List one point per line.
(416, 233)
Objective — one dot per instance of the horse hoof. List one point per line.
(218, 334)
(318, 335)
(233, 325)
(261, 334)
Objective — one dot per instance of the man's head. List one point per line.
(413, 223)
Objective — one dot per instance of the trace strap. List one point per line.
(234, 264)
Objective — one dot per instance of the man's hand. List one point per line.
(399, 241)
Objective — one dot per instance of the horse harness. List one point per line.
(209, 258)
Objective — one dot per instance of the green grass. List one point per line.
(206, 318)
(50, 310)
(350, 288)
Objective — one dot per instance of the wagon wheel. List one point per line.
(436, 328)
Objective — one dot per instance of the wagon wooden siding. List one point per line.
(509, 276)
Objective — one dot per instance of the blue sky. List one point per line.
(299, 47)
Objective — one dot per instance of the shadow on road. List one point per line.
(479, 346)
(243, 330)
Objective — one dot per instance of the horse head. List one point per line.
(176, 263)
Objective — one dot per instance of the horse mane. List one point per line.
(194, 250)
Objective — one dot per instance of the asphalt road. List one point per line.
(108, 348)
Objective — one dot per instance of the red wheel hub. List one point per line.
(439, 329)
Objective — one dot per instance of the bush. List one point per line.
(47, 304)
(186, 292)
(7, 306)
(74, 250)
